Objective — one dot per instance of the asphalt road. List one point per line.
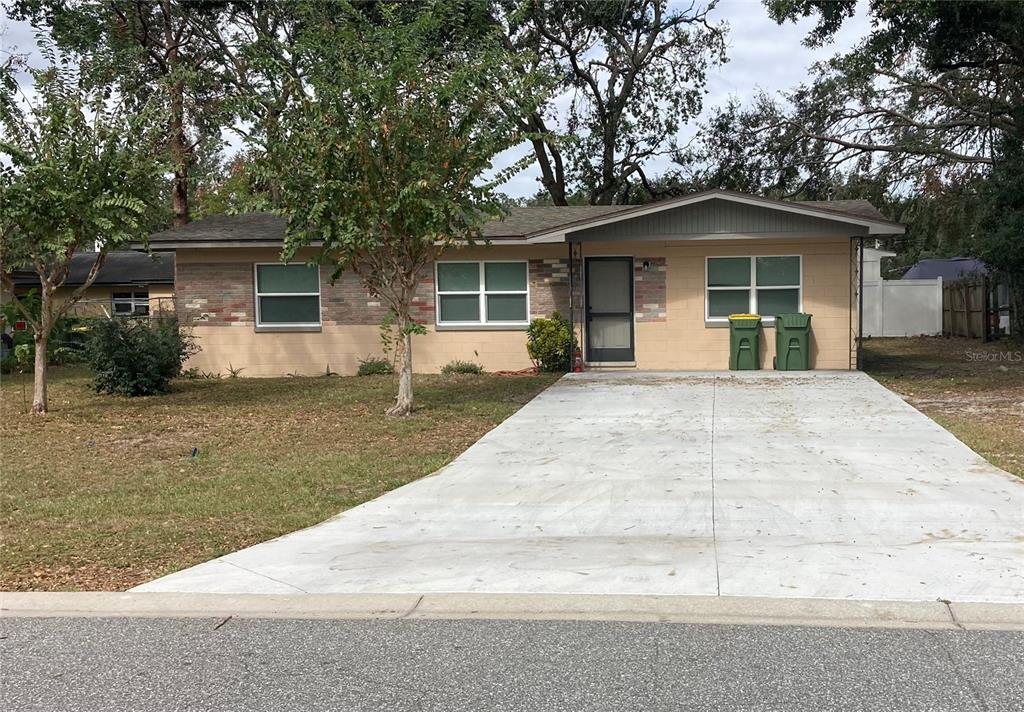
(149, 664)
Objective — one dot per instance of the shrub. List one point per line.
(550, 343)
(453, 367)
(135, 358)
(374, 366)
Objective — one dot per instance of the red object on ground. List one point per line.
(577, 365)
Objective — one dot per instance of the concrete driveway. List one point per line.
(820, 484)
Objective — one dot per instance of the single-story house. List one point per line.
(128, 284)
(648, 286)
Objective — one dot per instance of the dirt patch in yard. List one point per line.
(973, 389)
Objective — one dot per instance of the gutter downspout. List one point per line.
(860, 309)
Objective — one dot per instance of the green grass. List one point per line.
(103, 493)
(974, 390)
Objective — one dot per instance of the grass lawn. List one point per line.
(104, 493)
(974, 390)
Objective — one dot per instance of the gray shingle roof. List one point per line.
(518, 224)
(119, 268)
(857, 208)
(244, 227)
(524, 221)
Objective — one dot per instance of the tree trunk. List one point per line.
(179, 156)
(1016, 320)
(403, 402)
(39, 402)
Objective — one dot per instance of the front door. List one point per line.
(609, 309)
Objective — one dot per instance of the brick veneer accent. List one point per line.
(649, 289)
(220, 293)
(214, 293)
(549, 287)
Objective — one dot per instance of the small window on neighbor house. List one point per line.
(756, 285)
(287, 295)
(482, 293)
(134, 303)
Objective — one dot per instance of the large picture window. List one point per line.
(482, 293)
(755, 285)
(287, 295)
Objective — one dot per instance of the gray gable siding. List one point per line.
(718, 217)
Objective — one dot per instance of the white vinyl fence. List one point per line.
(905, 307)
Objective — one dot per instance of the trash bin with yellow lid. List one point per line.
(744, 342)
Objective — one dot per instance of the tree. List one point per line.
(1000, 239)
(633, 72)
(931, 91)
(149, 50)
(75, 171)
(395, 137)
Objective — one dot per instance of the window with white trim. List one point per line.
(287, 294)
(135, 303)
(482, 293)
(767, 285)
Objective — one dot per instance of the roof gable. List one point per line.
(715, 218)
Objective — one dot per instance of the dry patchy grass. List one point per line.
(973, 389)
(104, 493)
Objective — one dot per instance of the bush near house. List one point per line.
(453, 367)
(550, 343)
(137, 358)
(374, 366)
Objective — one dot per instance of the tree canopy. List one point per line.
(77, 173)
(395, 138)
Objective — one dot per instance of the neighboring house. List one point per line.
(128, 284)
(949, 270)
(900, 307)
(651, 286)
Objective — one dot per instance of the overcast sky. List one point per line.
(762, 55)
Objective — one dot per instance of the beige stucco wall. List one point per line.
(681, 341)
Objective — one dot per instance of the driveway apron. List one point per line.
(816, 484)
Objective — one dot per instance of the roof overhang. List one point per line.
(169, 245)
(563, 233)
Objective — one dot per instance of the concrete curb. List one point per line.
(455, 606)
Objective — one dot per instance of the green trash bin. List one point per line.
(744, 342)
(792, 342)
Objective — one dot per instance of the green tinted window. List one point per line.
(287, 279)
(772, 302)
(460, 307)
(723, 302)
(290, 310)
(728, 271)
(505, 277)
(458, 277)
(506, 307)
(778, 271)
